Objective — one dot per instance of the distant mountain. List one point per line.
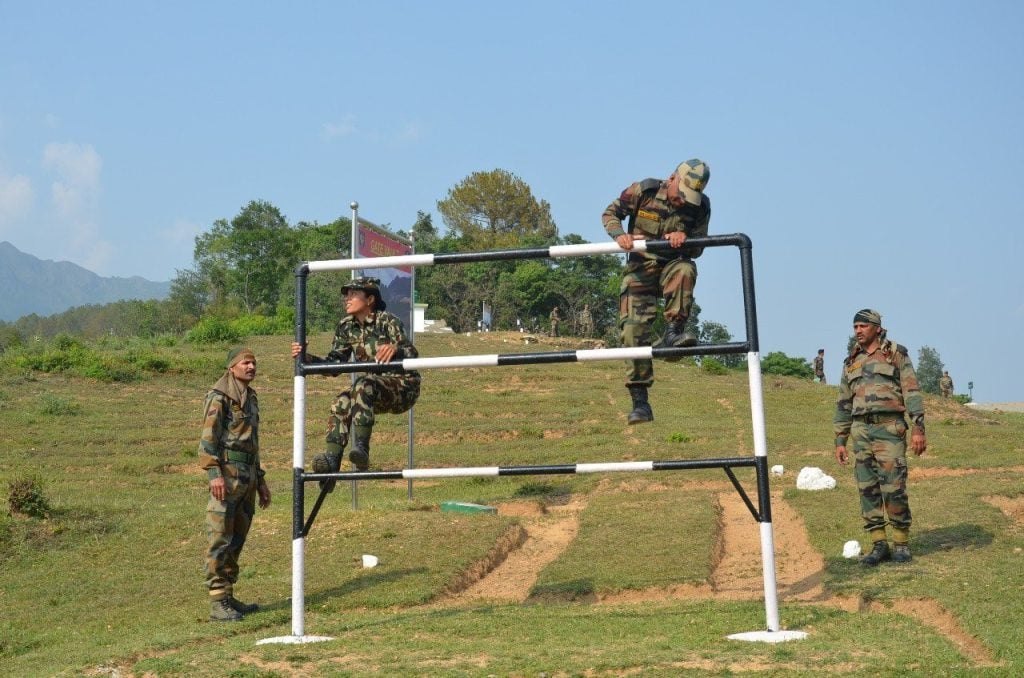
(31, 285)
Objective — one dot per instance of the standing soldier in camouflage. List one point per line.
(586, 322)
(229, 452)
(672, 210)
(555, 318)
(367, 333)
(819, 366)
(946, 385)
(877, 388)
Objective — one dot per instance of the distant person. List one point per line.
(819, 366)
(229, 452)
(946, 385)
(555, 319)
(877, 388)
(674, 210)
(586, 322)
(367, 333)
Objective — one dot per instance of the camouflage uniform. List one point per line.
(229, 448)
(875, 391)
(819, 368)
(946, 385)
(393, 392)
(555, 318)
(668, 274)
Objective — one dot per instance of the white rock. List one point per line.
(851, 549)
(777, 470)
(370, 561)
(813, 478)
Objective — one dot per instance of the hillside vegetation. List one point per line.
(616, 574)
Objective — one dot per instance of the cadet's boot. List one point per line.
(642, 411)
(901, 553)
(240, 607)
(360, 453)
(221, 610)
(676, 334)
(327, 462)
(880, 553)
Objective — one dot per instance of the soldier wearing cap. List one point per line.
(674, 210)
(946, 385)
(367, 333)
(819, 366)
(877, 389)
(229, 452)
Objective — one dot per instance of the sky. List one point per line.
(872, 151)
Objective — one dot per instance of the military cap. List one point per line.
(368, 285)
(238, 354)
(867, 315)
(693, 177)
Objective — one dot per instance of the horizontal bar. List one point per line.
(491, 471)
(540, 357)
(553, 252)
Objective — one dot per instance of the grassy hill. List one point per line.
(575, 575)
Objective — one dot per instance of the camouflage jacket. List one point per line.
(819, 365)
(229, 427)
(946, 383)
(879, 382)
(656, 217)
(359, 340)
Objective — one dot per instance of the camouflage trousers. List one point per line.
(821, 377)
(880, 468)
(370, 393)
(642, 284)
(227, 525)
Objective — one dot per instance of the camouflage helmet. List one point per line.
(368, 285)
(693, 177)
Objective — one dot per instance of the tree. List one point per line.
(929, 369)
(249, 259)
(711, 332)
(496, 210)
(778, 362)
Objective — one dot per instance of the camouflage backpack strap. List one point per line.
(648, 187)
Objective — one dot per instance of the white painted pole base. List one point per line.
(293, 640)
(769, 636)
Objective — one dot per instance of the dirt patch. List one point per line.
(514, 570)
(1012, 507)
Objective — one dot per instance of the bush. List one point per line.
(59, 406)
(213, 331)
(25, 496)
(778, 362)
(962, 398)
(713, 366)
(260, 325)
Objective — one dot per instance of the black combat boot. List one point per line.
(676, 335)
(360, 453)
(642, 411)
(327, 462)
(240, 607)
(901, 553)
(221, 610)
(879, 554)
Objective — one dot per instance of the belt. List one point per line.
(244, 457)
(878, 417)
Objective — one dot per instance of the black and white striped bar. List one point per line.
(553, 469)
(503, 360)
(553, 252)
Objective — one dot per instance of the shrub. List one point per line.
(713, 366)
(778, 362)
(25, 496)
(962, 398)
(60, 406)
(212, 331)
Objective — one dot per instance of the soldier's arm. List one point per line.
(700, 231)
(619, 209)
(843, 419)
(213, 431)
(912, 398)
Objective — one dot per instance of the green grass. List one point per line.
(111, 578)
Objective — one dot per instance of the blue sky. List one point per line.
(873, 151)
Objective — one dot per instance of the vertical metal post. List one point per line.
(354, 254)
(298, 454)
(412, 339)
